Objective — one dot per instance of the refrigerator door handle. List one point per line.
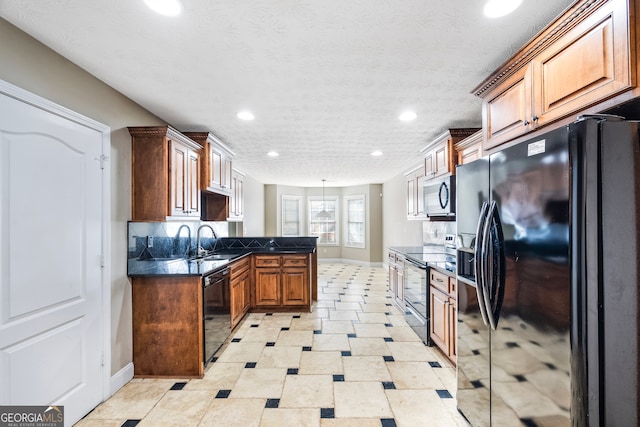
(494, 243)
(480, 266)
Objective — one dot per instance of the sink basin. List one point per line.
(220, 256)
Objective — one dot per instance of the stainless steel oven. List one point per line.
(416, 298)
(217, 312)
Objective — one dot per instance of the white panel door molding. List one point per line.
(54, 269)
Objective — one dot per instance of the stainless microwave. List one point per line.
(440, 196)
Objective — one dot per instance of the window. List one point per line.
(323, 220)
(291, 221)
(355, 221)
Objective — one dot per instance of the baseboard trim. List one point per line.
(122, 377)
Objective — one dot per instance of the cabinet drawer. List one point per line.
(295, 261)
(267, 261)
(239, 267)
(439, 281)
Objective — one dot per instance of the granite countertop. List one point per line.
(431, 256)
(199, 267)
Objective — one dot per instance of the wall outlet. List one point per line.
(149, 241)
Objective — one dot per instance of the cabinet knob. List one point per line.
(535, 118)
(526, 123)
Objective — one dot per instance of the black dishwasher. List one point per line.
(217, 313)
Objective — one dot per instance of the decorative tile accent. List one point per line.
(388, 313)
(512, 344)
(236, 340)
(475, 352)
(250, 365)
(213, 359)
(551, 366)
(292, 371)
(338, 378)
(388, 358)
(388, 339)
(306, 348)
(388, 422)
(270, 344)
(317, 332)
(130, 423)
(476, 384)
(345, 353)
(388, 325)
(296, 316)
(178, 386)
(435, 364)
(444, 394)
(388, 385)
(254, 325)
(388, 305)
(272, 403)
(520, 378)
(284, 329)
(223, 394)
(327, 413)
(351, 336)
(268, 314)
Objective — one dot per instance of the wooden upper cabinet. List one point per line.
(469, 149)
(165, 174)
(439, 155)
(581, 59)
(217, 165)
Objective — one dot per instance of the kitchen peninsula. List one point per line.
(171, 307)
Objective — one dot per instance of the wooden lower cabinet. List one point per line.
(240, 289)
(268, 286)
(282, 281)
(167, 327)
(442, 303)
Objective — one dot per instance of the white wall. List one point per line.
(397, 230)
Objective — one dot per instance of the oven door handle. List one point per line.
(415, 263)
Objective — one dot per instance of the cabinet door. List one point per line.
(215, 168)
(237, 197)
(420, 179)
(239, 297)
(268, 286)
(226, 173)
(411, 196)
(452, 330)
(295, 286)
(393, 274)
(507, 109)
(469, 154)
(178, 178)
(400, 283)
(588, 64)
(429, 165)
(193, 184)
(441, 159)
(439, 318)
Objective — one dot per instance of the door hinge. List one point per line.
(103, 159)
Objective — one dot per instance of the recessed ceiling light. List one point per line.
(165, 7)
(376, 153)
(407, 116)
(246, 115)
(273, 154)
(498, 8)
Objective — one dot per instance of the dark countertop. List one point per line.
(430, 256)
(160, 267)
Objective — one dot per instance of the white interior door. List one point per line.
(51, 283)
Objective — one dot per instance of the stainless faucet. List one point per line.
(176, 240)
(200, 250)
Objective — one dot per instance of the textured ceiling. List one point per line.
(326, 79)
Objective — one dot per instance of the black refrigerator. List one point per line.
(548, 234)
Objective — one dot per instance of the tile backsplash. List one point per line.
(170, 239)
(433, 231)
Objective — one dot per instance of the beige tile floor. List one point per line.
(352, 361)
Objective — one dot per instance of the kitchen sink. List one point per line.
(219, 256)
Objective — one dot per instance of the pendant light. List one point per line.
(323, 214)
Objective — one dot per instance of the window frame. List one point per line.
(297, 199)
(347, 221)
(336, 220)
